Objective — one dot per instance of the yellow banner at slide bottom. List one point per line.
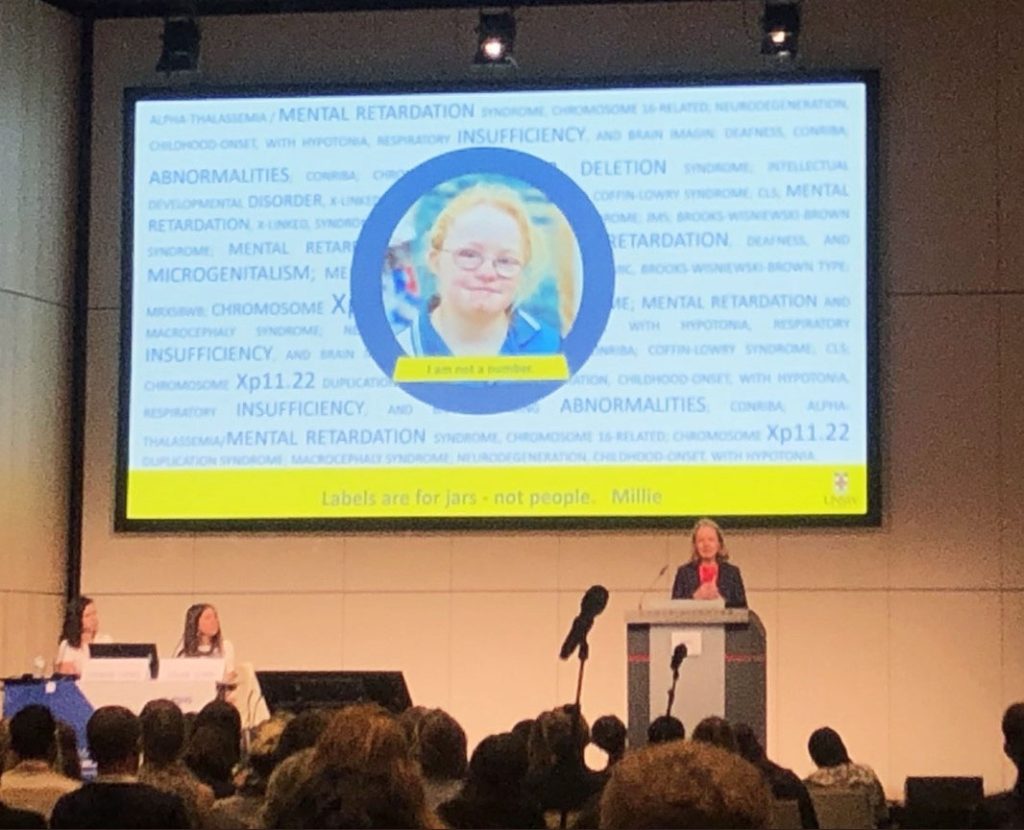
(481, 369)
(444, 492)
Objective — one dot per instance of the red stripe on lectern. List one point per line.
(638, 658)
(744, 658)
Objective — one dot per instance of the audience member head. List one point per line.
(163, 732)
(827, 748)
(409, 719)
(522, 730)
(80, 618)
(364, 737)
(716, 731)
(609, 733)
(1013, 735)
(440, 746)
(68, 762)
(302, 731)
(223, 716)
(211, 754)
(34, 734)
(684, 784)
(498, 764)
(748, 744)
(554, 740)
(361, 775)
(202, 628)
(707, 541)
(665, 728)
(264, 743)
(114, 737)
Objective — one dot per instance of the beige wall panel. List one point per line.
(1013, 682)
(943, 406)
(145, 618)
(37, 161)
(49, 243)
(756, 554)
(604, 678)
(1011, 424)
(398, 562)
(837, 559)
(37, 496)
(1013, 676)
(503, 659)
(833, 655)
(7, 304)
(411, 633)
(281, 631)
(298, 564)
(30, 625)
(945, 683)
(509, 562)
(137, 563)
(1010, 151)
(939, 126)
(19, 41)
(629, 560)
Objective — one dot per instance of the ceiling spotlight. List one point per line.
(496, 33)
(780, 28)
(181, 46)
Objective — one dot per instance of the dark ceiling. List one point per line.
(162, 8)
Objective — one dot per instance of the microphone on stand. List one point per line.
(594, 601)
(678, 655)
(649, 588)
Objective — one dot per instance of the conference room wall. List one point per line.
(38, 70)
(906, 638)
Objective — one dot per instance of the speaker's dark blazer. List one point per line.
(730, 583)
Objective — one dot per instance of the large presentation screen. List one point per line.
(602, 305)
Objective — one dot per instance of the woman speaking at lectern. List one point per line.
(709, 574)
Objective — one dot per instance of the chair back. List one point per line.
(842, 808)
(941, 801)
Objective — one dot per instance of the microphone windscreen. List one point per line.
(577, 633)
(678, 655)
(594, 601)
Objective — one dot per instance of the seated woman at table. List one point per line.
(203, 638)
(81, 626)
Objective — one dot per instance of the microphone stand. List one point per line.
(577, 715)
(672, 691)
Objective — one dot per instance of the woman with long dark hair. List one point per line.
(81, 626)
(203, 637)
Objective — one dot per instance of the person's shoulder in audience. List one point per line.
(127, 804)
(14, 819)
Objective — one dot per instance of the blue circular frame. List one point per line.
(595, 250)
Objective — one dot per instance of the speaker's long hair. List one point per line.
(190, 636)
(72, 630)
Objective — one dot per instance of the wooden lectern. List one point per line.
(723, 673)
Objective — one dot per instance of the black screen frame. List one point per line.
(872, 517)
